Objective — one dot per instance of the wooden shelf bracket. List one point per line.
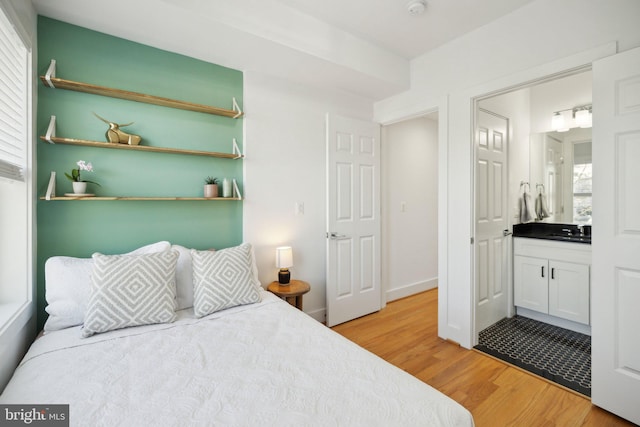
(236, 150)
(236, 190)
(236, 108)
(51, 72)
(51, 130)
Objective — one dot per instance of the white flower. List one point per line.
(83, 166)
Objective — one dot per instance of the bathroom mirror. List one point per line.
(560, 166)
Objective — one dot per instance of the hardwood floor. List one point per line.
(405, 333)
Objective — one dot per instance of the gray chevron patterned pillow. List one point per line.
(223, 279)
(131, 290)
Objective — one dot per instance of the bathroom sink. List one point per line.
(570, 237)
(554, 231)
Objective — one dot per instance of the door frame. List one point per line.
(475, 102)
(442, 136)
(562, 68)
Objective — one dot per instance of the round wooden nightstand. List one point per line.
(292, 293)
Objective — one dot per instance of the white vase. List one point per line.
(79, 187)
(226, 188)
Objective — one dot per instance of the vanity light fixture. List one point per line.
(580, 116)
(583, 116)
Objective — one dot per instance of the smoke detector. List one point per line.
(416, 7)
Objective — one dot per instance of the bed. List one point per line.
(263, 363)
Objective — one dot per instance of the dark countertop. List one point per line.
(552, 231)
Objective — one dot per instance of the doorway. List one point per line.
(410, 206)
(537, 156)
(529, 109)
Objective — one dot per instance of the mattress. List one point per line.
(264, 364)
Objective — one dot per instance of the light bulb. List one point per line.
(583, 118)
(557, 121)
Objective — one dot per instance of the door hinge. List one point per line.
(472, 240)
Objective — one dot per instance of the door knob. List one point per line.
(335, 236)
(506, 233)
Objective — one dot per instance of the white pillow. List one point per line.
(67, 283)
(131, 290)
(223, 279)
(254, 266)
(184, 278)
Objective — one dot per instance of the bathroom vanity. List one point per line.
(551, 267)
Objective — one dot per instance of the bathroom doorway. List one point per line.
(529, 110)
(540, 162)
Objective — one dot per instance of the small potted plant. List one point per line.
(210, 187)
(79, 184)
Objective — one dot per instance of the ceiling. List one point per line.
(358, 46)
(388, 24)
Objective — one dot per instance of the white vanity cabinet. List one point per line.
(553, 278)
(530, 283)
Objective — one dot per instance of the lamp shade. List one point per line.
(284, 257)
(560, 121)
(557, 121)
(583, 118)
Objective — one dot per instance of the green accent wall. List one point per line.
(80, 228)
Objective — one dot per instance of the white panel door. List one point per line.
(353, 219)
(616, 235)
(491, 247)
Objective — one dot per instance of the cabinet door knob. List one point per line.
(553, 270)
(542, 271)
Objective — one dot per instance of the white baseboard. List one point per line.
(392, 294)
(320, 315)
(411, 289)
(555, 321)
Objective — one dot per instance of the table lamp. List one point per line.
(284, 260)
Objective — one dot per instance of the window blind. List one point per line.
(13, 102)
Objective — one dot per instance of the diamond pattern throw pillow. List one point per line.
(131, 290)
(223, 279)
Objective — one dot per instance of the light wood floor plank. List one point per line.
(405, 333)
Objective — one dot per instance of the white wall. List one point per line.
(284, 165)
(17, 334)
(540, 39)
(409, 207)
(558, 95)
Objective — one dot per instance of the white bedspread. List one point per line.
(265, 364)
